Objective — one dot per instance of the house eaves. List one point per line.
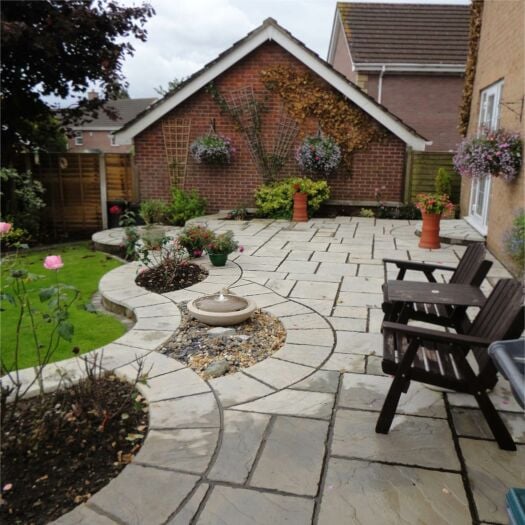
(367, 67)
(270, 31)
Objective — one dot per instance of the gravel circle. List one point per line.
(214, 351)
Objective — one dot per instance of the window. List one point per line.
(112, 140)
(79, 139)
(480, 191)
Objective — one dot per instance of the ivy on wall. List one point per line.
(305, 96)
(476, 11)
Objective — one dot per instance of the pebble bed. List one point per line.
(213, 351)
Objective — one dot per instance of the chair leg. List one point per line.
(494, 421)
(399, 385)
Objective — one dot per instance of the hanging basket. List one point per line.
(212, 148)
(318, 154)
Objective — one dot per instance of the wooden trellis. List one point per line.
(176, 134)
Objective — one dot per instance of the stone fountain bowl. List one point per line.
(233, 310)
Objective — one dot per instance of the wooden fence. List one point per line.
(422, 171)
(78, 186)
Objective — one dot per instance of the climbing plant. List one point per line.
(305, 96)
(246, 111)
(476, 11)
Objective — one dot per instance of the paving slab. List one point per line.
(492, 472)
(370, 300)
(290, 402)
(166, 323)
(346, 363)
(238, 388)
(188, 450)
(241, 439)
(144, 339)
(413, 441)
(228, 506)
(346, 323)
(185, 515)
(337, 269)
(277, 373)
(138, 495)
(362, 284)
(150, 366)
(349, 342)
(287, 309)
(305, 321)
(321, 306)
(314, 290)
(184, 382)
(292, 457)
(160, 310)
(83, 515)
(320, 381)
(368, 392)
(198, 411)
(356, 312)
(317, 336)
(303, 354)
(366, 493)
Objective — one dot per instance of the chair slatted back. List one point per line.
(501, 318)
(472, 267)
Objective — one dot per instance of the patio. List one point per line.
(291, 439)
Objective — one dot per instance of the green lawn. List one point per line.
(83, 269)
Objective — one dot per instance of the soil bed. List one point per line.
(64, 447)
(228, 349)
(169, 277)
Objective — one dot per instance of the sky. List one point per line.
(186, 34)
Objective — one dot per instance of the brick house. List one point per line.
(161, 135)
(497, 101)
(410, 58)
(97, 134)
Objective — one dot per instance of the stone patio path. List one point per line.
(291, 439)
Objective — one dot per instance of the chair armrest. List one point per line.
(422, 267)
(435, 335)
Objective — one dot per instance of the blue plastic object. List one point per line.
(516, 506)
(509, 357)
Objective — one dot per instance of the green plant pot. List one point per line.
(218, 259)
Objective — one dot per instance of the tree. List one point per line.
(52, 47)
(172, 86)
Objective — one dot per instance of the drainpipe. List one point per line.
(380, 85)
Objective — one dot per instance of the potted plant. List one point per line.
(220, 246)
(300, 204)
(195, 239)
(431, 206)
(318, 154)
(212, 149)
(115, 210)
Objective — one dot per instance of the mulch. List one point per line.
(61, 448)
(170, 276)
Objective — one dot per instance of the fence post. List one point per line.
(103, 190)
(408, 175)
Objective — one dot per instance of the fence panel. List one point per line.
(119, 177)
(424, 167)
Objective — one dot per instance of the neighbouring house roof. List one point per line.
(416, 36)
(126, 109)
(271, 31)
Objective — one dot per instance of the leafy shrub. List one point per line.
(23, 200)
(224, 243)
(185, 205)
(275, 200)
(433, 203)
(153, 211)
(366, 212)
(515, 242)
(443, 181)
(194, 239)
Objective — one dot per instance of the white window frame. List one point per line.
(79, 138)
(480, 220)
(112, 139)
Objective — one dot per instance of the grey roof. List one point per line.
(406, 33)
(126, 108)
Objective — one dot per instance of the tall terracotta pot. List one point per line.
(300, 206)
(430, 231)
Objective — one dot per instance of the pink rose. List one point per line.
(5, 227)
(115, 210)
(197, 253)
(241, 248)
(53, 262)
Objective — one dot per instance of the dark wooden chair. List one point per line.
(471, 269)
(440, 358)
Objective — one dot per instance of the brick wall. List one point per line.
(501, 57)
(234, 185)
(429, 104)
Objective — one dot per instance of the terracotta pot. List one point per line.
(300, 207)
(218, 259)
(430, 231)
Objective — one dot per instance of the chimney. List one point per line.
(92, 95)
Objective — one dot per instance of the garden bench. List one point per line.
(440, 358)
